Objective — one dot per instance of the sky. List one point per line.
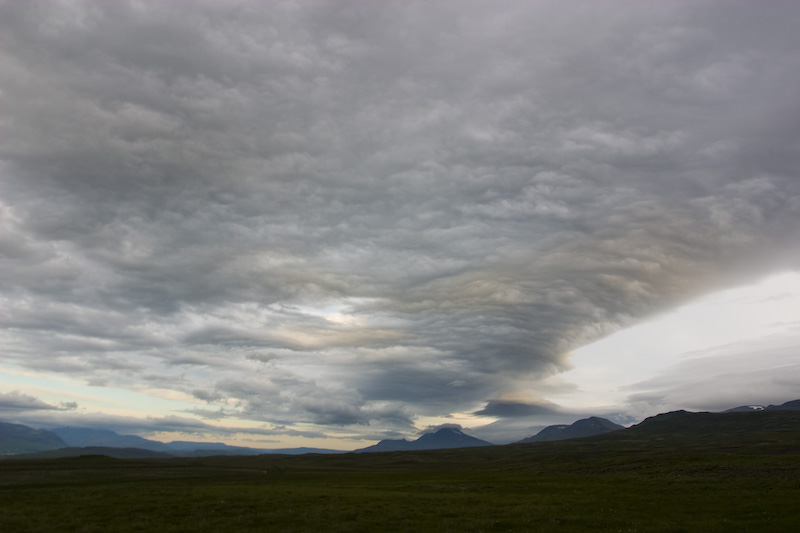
(325, 223)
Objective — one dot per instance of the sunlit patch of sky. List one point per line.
(759, 314)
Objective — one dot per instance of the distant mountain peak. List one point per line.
(443, 438)
(447, 430)
(792, 405)
(585, 427)
(745, 408)
(82, 437)
(16, 438)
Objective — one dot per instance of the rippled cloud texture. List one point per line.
(341, 217)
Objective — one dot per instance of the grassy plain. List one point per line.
(619, 482)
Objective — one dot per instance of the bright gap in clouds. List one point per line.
(115, 401)
(749, 333)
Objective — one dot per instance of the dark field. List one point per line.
(624, 481)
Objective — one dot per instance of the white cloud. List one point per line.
(731, 348)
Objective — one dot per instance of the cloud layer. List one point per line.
(345, 214)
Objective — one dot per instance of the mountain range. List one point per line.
(83, 437)
(442, 439)
(18, 440)
(72, 441)
(793, 405)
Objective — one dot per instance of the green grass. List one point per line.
(628, 482)
(696, 495)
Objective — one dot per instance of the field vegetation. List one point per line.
(695, 476)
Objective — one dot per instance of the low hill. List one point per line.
(202, 449)
(16, 438)
(586, 427)
(388, 445)
(117, 453)
(445, 438)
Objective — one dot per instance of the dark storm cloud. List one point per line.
(415, 207)
(510, 409)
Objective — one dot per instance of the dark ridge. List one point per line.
(586, 427)
(445, 438)
(93, 451)
(16, 438)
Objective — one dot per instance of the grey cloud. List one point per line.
(16, 401)
(393, 198)
(263, 357)
(433, 429)
(207, 414)
(510, 408)
(207, 396)
(425, 384)
(326, 411)
(151, 425)
(283, 397)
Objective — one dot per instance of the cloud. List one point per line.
(511, 409)
(152, 425)
(751, 372)
(434, 429)
(360, 214)
(15, 401)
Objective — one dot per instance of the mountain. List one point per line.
(16, 438)
(730, 429)
(104, 438)
(586, 427)
(83, 437)
(447, 438)
(388, 445)
(745, 409)
(444, 438)
(793, 405)
(181, 447)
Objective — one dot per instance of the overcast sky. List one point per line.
(324, 223)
